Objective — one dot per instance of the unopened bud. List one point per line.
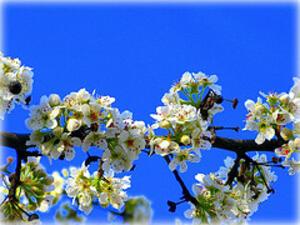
(65, 173)
(165, 124)
(54, 100)
(207, 194)
(286, 134)
(284, 99)
(57, 131)
(297, 142)
(73, 124)
(185, 139)
(259, 108)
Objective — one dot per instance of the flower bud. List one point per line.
(207, 194)
(286, 134)
(65, 173)
(297, 143)
(165, 124)
(73, 124)
(185, 139)
(49, 180)
(31, 207)
(40, 173)
(57, 131)
(284, 99)
(259, 108)
(54, 100)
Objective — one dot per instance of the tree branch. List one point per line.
(186, 193)
(248, 145)
(14, 140)
(15, 178)
(240, 147)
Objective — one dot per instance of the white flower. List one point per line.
(186, 79)
(43, 116)
(162, 112)
(73, 124)
(64, 146)
(118, 120)
(265, 132)
(208, 81)
(46, 203)
(164, 147)
(105, 100)
(170, 98)
(267, 173)
(5, 106)
(112, 191)
(199, 139)
(94, 139)
(176, 114)
(78, 186)
(138, 210)
(15, 84)
(293, 165)
(118, 159)
(58, 184)
(77, 98)
(180, 159)
(132, 140)
(222, 173)
(91, 113)
(286, 150)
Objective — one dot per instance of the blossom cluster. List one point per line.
(187, 112)
(15, 83)
(278, 116)
(84, 188)
(37, 191)
(219, 202)
(84, 120)
(137, 210)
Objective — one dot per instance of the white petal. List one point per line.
(260, 138)
(173, 165)
(270, 132)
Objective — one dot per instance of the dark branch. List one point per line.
(242, 146)
(15, 178)
(13, 140)
(186, 193)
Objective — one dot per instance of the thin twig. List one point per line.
(186, 193)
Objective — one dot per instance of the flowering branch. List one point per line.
(18, 141)
(248, 145)
(82, 119)
(240, 147)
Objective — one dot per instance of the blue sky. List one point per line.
(135, 52)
